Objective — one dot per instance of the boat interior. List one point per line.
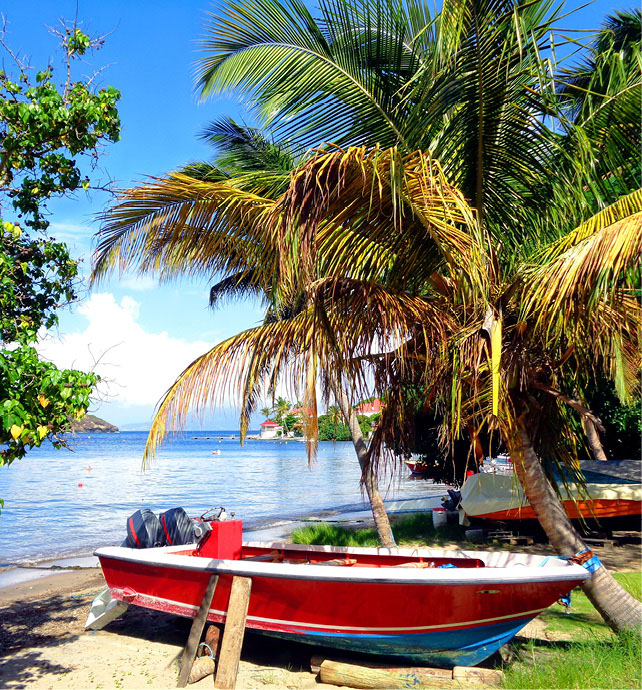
(225, 541)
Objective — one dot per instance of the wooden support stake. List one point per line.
(189, 653)
(228, 663)
(473, 676)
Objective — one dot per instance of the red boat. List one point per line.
(436, 606)
(417, 467)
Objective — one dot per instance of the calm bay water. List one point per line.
(47, 514)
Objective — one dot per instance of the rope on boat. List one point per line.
(586, 558)
(209, 649)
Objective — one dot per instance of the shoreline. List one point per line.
(275, 529)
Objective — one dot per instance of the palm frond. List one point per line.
(287, 59)
(238, 369)
(593, 267)
(258, 163)
(352, 205)
(180, 226)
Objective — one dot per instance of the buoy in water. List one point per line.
(216, 452)
(80, 485)
(88, 468)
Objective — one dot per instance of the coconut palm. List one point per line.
(466, 85)
(172, 237)
(395, 278)
(266, 411)
(282, 407)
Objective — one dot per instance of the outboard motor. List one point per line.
(177, 527)
(453, 502)
(144, 530)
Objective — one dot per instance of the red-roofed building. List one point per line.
(270, 429)
(300, 411)
(369, 408)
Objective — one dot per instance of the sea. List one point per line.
(66, 503)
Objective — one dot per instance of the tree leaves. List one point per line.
(44, 128)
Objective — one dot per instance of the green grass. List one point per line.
(593, 658)
(592, 662)
(412, 529)
(583, 617)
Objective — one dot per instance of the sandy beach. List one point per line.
(44, 645)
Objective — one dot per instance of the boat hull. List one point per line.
(442, 617)
(500, 497)
(594, 509)
(419, 469)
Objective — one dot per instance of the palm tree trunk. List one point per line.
(593, 440)
(382, 523)
(619, 609)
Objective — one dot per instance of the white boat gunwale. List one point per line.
(553, 570)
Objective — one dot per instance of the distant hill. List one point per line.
(94, 425)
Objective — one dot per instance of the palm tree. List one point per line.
(266, 411)
(465, 85)
(535, 151)
(334, 417)
(282, 407)
(197, 222)
(429, 302)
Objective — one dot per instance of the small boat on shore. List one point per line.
(432, 606)
(416, 467)
(613, 491)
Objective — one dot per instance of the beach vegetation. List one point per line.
(586, 660)
(333, 428)
(470, 240)
(411, 530)
(46, 127)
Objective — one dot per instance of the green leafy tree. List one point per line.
(333, 428)
(44, 128)
(291, 423)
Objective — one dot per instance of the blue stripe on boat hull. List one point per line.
(444, 648)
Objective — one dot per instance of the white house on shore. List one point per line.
(271, 430)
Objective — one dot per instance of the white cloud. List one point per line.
(138, 366)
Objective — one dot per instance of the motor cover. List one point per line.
(144, 530)
(177, 527)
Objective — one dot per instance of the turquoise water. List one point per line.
(60, 503)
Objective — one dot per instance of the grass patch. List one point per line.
(593, 662)
(333, 535)
(590, 656)
(409, 530)
(583, 615)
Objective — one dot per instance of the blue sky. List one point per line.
(144, 334)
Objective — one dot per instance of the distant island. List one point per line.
(91, 424)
